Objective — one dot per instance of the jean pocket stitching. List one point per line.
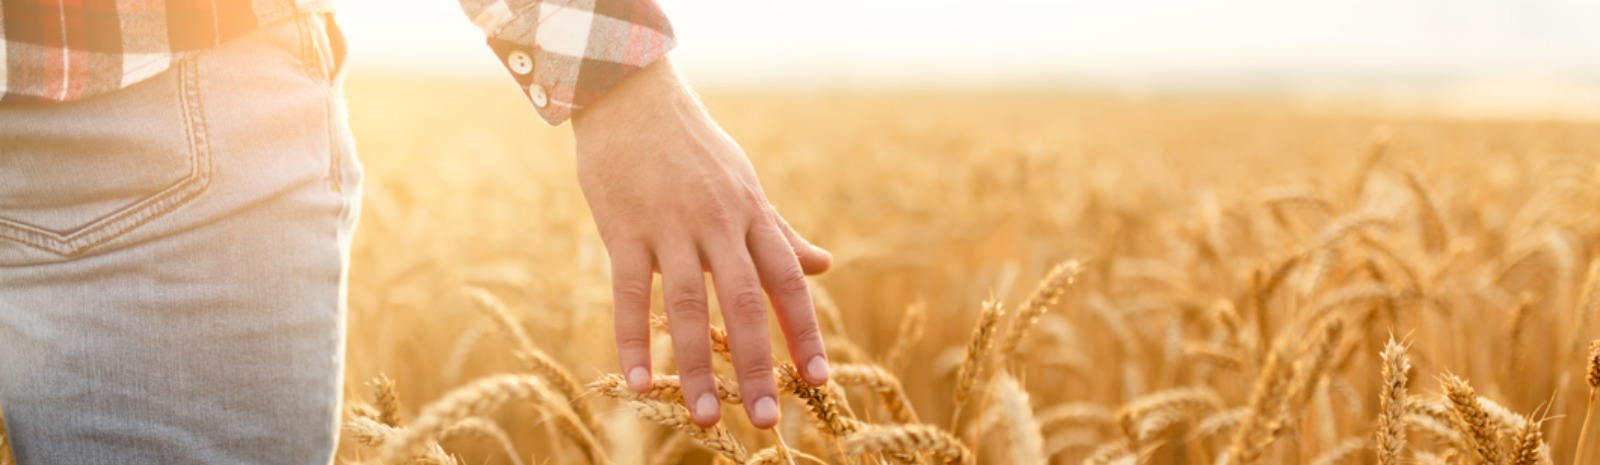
(84, 238)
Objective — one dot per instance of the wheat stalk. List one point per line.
(673, 451)
(1434, 235)
(886, 385)
(480, 397)
(1341, 452)
(1220, 422)
(387, 400)
(1391, 434)
(1429, 458)
(770, 456)
(1588, 307)
(1377, 147)
(1347, 225)
(1308, 371)
(1472, 421)
(1045, 295)
(1519, 328)
(1227, 358)
(461, 352)
(1260, 425)
(496, 310)
(908, 439)
(825, 407)
(909, 332)
(1526, 442)
(977, 349)
(1118, 452)
(482, 428)
(1593, 377)
(370, 432)
(719, 337)
(1027, 441)
(1155, 410)
(663, 388)
(676, 417)
(537, 361)
(1056, 417)
(840, 346)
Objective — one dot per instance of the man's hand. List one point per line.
(670, 191)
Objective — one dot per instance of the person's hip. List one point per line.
(104, 173)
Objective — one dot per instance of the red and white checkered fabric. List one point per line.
(563, 53)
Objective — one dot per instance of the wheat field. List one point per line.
(1020, 278)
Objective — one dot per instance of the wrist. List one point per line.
(645, 95)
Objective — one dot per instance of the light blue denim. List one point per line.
(173, 259)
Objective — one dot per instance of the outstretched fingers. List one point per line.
(785, 282)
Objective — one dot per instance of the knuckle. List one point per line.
(749, 306)
(631, 293)
(752, 198)
(717, 212)
(793, 281)
(808, 332)
(759, 371)
(696, 371)
(633, 342)
(616, 235)
(689, 305)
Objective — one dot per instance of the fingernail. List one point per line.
(766, 412)
(817, 369)
(705, 407)
(639, 379)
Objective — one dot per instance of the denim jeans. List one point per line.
(173, 260)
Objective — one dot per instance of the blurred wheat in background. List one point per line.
(1022, 278)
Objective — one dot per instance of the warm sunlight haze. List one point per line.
(853, 232)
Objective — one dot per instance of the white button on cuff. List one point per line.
(540, 99)
(519, 62)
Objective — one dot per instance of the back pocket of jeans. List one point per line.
(75, 176)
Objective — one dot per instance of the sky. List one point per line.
(1536, 49)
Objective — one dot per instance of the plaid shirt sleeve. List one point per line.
(565, 54)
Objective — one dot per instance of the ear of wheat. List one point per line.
(1472, 421)
(676, 417)
(908, 439)
(388, 400)
(537, 361)
(479, 398)
(1391, 434)
(663, 388)
(1027, 441)
(483, 428)
(977, 350)
(823, 404)
(909, 332)
(1261, 423)
(1048, 292)
(886, 385)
